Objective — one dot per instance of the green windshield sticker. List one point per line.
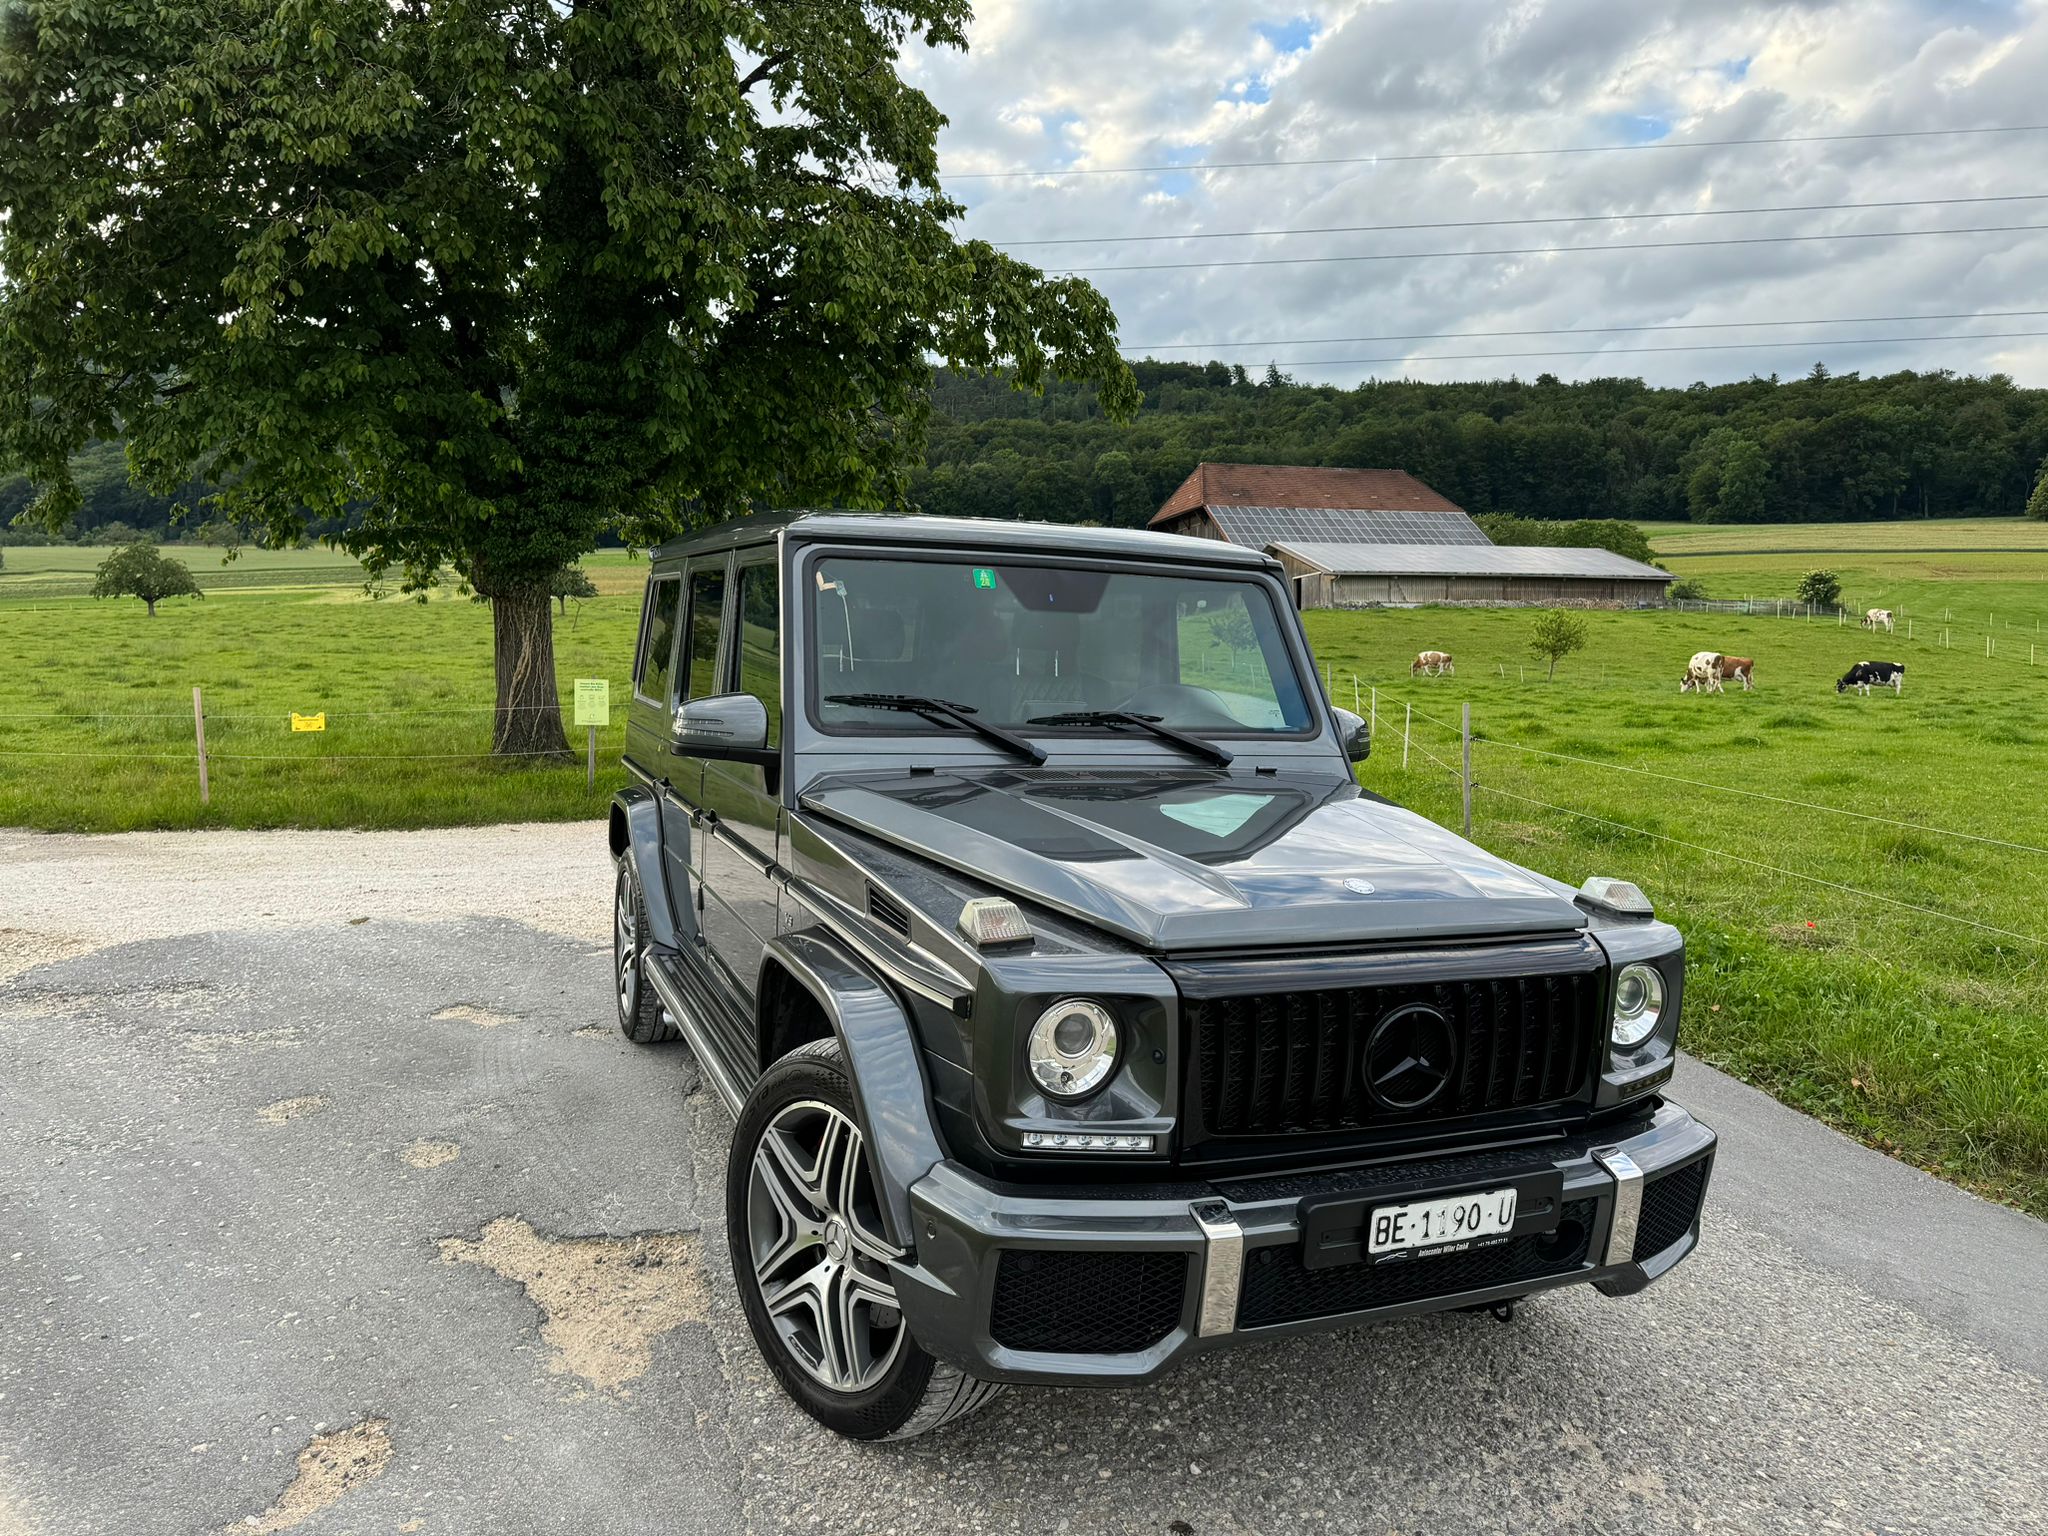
(984, 579)
(1219, 815)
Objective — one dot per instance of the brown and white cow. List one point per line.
(1702, 673)
(1741, 668)
(1432, 664)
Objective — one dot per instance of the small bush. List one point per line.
(1822, 589)
(1689, 589)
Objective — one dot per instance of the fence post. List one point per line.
(1354, 693)
(199, 737)
(590, 770)
(1372, 720)
(1466, 721)
(1407, 730)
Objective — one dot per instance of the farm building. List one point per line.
(1392, 575)
(1363, 537)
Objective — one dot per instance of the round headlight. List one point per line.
(1073, 1048)
(1638, 1004)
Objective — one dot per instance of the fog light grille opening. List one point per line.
(1671, 1203)
(1087, 1303)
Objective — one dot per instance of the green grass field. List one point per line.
(1826, 962)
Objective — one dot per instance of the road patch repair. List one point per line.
(199, 1268)
(603, 1300)
(329, 1467)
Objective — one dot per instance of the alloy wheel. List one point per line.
(819, 1259)
(626, 945)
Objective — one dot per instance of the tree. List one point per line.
(1555, 636)
(2037, 504)
(1820, 589)
(142, 570)
(482, 281)
(571, 581)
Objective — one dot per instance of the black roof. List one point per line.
(962, 533)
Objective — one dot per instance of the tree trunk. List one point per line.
(529, 718)
(150, 603)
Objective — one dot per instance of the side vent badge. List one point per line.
(988, 920)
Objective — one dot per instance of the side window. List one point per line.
(707, 617)
(658, 639)
(760, 642)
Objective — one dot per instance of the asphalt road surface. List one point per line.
(331, 1200)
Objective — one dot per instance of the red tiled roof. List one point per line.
(1290, 485)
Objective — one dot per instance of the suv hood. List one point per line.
(1200, 861)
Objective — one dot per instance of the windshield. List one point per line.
(1019, 643)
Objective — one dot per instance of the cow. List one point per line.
(1702, 673)
(1432, 664)
(1741, 668)
(1868, 674)
(1879, 618)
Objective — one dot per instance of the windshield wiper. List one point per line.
(1200, 748)
(940, 709)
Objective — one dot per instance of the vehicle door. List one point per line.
(742, 848)
(650, 742)
(700, 618)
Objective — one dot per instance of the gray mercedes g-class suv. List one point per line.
(1013, 886)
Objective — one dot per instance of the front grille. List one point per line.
(1670, 1206)
(1087, 1303)
(1278, 1288)
(1290, 1062)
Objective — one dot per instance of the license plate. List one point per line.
(1452, 1222)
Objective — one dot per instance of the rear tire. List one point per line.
(810, 1261)
(642, 1019)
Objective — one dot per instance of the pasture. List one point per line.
(1820, 968)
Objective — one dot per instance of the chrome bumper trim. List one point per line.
(1628, 1203)
(1222, 1267)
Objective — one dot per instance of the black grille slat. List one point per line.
(1670, 1206)
(1087, 1303)
(886, 911)
(1278, 1288)
(1292, 1062)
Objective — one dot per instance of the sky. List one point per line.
(1090, 85)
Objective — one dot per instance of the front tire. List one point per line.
(642, 1019)
(811, 1262)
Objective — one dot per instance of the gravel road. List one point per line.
(331, 1200)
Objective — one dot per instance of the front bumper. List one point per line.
(1020, 1283)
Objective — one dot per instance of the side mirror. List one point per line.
(1353, 733)
(725, 725)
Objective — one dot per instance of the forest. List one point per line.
(1821, 447)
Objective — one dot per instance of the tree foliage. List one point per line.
(571, 581)
(1581, 533)
(478, 282)
(1556, 635)
(142, 570)
(1820, 589)
(2037, 504)
(1833, 447)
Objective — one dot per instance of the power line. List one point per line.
(1484, 154)
(1560, 218)
(1574, 330)
(1724, 346)
(1558, 250)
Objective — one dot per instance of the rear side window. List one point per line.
(707, 617)
(658, 639)
(760, 642)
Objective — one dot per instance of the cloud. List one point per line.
(1079, 85)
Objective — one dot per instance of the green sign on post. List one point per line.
(984, 579)
(593, 701)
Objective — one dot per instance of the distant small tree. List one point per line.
(142, 570)
(1557, 634)
(2037, 504)
(571, 581)
(1688, 589)
(1820, 589)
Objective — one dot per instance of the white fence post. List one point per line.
(1467, 731)
(199, 736)
(1407, 730)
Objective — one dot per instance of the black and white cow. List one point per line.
(1867, 674)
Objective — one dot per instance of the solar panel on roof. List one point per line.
(1260, 526)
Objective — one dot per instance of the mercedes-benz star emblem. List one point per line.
(1410, 1057)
